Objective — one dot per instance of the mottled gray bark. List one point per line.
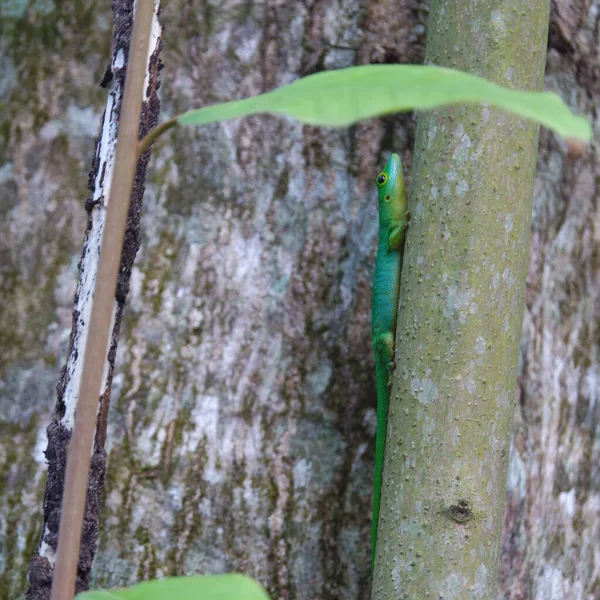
(241, 429)
(461, 314)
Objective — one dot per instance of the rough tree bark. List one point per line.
(241, 430)
(461, 313)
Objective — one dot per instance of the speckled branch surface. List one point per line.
(461, 314)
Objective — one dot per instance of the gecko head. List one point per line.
(390, 182)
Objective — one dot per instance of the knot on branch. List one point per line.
(460, 512)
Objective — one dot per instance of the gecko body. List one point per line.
(393, 223)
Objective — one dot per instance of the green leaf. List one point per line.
(232, 586)
(339, 98)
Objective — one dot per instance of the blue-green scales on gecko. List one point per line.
(393, 223)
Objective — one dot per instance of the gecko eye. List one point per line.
(381, 178)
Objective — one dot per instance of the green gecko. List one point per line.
(393, 223)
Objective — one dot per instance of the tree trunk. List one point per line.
(461, 314)
(241, 428)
